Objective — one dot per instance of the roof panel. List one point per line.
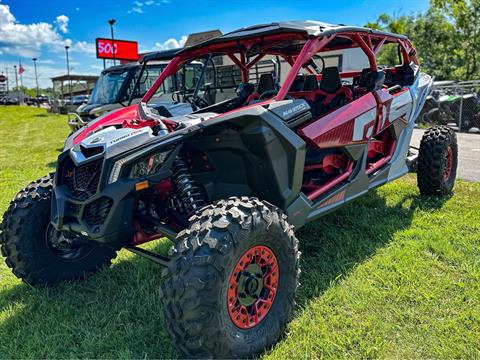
(307, 27)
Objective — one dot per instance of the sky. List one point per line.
(42, 28)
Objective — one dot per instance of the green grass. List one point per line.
(391, 275)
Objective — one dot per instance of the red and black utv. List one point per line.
(229, 182)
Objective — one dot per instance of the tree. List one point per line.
(435, 37)
(464, 16)
(388, 54)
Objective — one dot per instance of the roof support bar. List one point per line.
(367, 50)
(241, 64)
(311, 47)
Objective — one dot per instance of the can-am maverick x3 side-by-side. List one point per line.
(228, 183)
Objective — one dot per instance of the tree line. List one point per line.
(446, 37)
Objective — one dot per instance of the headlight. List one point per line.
(147, 165)
(144, 166)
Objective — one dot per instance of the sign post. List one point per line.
(116, 49)
(3, 84)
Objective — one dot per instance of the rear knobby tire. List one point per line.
(195, 292)
(25, 241)
(437, 161)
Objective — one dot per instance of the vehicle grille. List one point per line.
(82, 181)
(96, 212)
(74, 209)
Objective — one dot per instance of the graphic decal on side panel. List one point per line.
(364, 125)
(351, 124)
(401, 106)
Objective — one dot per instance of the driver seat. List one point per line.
(266, 82)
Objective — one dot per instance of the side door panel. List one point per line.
(351, 124)
(392, 108)
(393, 113)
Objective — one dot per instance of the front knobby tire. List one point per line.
(229, 289)
(27, 244)
(437, 161)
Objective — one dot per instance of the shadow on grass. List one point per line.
(116, 314)
(332, 245)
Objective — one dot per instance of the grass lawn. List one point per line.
(391, 275)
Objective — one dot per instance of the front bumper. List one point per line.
(69, 214)
(105, 216)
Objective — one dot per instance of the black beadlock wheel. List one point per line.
(437, 161)
(229, 289)
(35, 251)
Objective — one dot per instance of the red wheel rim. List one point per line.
(448, 164)
(252, 287)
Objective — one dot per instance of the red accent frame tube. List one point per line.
(324, 188)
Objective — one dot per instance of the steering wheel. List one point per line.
(177, 95)
(199, 102)
(268, 94)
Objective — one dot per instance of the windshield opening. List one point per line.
(203, 82)
(141, 81)
(108, 87)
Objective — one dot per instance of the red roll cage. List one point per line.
(368, 40)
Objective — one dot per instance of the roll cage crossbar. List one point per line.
(241, 52)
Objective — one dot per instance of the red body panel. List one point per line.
(337, 128)
(114, 118)
(385, 114)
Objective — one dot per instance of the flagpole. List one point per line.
(16, 77)
(8, 88)
(21, 73)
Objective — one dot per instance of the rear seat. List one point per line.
(324, 97)
(371, 80)
(331, 94)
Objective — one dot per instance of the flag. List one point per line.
(21, 70)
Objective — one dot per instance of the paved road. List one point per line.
(468, 154)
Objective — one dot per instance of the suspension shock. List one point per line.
(190, 195)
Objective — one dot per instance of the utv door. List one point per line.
(394, 109)
(337, 141)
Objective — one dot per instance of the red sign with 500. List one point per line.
(117, 49)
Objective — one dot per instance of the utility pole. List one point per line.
(112, 22)
(36, 76)
(68, 72)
